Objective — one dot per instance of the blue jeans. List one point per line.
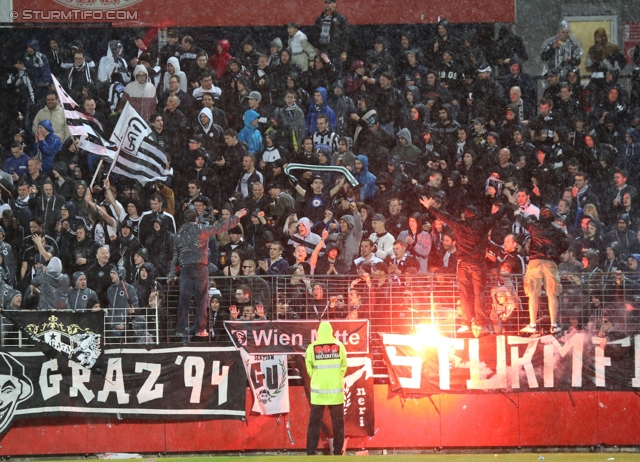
(194, 282)
(472, 280)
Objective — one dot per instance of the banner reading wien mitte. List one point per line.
(293, 337)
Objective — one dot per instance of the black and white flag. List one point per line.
(83, 125)
(138, 156)
(78, 337)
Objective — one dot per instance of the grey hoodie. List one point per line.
(349, 243)
(408, 153)
(53, 286)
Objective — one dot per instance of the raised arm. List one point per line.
(313, 260)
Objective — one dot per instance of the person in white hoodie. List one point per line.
(113, 62)
(173, 68)
(212, 134)
(141, 93)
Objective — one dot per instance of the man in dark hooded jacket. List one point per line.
(38, 69)
(471, 238)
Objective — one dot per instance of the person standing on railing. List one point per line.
(471, 239)
(191, 250)
(547, 245)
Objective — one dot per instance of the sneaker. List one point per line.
(202, 333)
(463, 328)
(529, 329)
(555, 329)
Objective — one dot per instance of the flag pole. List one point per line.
(95, 175)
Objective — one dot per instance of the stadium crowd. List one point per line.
(447, 124)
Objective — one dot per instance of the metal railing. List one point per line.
(595, 302)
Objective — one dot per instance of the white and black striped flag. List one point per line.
(83, 125)
(138, 157)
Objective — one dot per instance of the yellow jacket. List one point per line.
(326, 361)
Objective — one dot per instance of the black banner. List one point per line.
(75, 336)
(358, 397)
(293, 337)
(422, 366)
(181, 382)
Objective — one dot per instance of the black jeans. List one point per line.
(337, 422)
(472, 279)
(194, 282)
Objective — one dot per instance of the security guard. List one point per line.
(326, 361)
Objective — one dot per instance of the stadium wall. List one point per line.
(510, 420)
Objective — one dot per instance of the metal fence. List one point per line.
(603, 303)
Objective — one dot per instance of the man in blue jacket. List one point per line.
(250, 133)
(319, 106)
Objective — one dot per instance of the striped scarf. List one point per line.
(322, 168)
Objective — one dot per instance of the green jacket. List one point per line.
(326, 361)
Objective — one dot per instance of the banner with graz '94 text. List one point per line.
(168, 383)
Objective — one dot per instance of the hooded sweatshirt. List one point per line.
(326, 363)
(49, 146)
(311, 239)
(349, 243)
(142, 96)
(367, 180)
(113, 62)
(183, 77)
(219, 59)
(408, 153)
(53, 286)
(37, 65)
(250, 134)
(315, 110)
